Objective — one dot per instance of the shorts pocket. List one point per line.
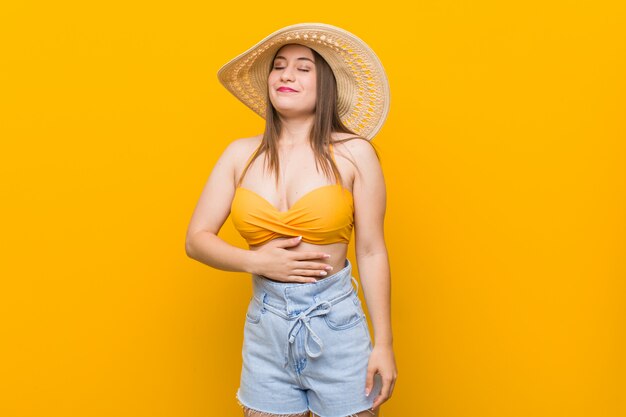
(255, 311)
(345, 314)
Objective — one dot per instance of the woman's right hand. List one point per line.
(273, 261)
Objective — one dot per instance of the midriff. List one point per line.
(337, 252)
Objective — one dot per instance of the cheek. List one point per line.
(313, 90)
(311, 85)
(273, 76)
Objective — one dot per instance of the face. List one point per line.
(292, 81)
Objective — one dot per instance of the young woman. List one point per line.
(307, 346)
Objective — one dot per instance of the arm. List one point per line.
(369, 203)
(273, 260)
(212, 210)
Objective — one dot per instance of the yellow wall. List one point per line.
(505, 160)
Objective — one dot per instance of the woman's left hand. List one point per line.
(381, 361)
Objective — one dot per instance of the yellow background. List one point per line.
(505, 160)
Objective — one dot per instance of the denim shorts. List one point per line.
(306, 347)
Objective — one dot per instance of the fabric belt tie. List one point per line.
(320, 308)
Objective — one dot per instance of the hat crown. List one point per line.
(362, 86)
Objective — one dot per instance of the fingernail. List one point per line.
(322, 272)
(367, 392)
(329, 267)
(327, 256)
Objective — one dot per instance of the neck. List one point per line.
(295, 130)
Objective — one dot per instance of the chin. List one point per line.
(293, 110)
(289, 105)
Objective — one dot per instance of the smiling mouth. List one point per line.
(286, 90)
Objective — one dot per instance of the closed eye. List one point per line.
(301, 69)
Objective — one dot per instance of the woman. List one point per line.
(307, 346)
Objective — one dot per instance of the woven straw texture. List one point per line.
(363, 88)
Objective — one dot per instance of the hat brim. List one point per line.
(362, 86)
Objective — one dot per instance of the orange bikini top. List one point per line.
(321, 216)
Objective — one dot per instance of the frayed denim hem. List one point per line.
(369, 410)
(265, 413)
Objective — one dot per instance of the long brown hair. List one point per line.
(326, 121)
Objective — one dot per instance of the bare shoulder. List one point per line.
(339, 136)
(241, 144)
(240, 149)
(360, 150)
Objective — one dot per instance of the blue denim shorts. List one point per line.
(306, 347)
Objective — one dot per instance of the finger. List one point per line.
(312, 255)
(384, 392)
(378, 401)
(369, 380)
(310, 272)
(380, 398)
(285, 243)
(305, 280)
(314, 265)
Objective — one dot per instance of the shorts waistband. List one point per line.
(291, 298)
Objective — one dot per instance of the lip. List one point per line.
(286, 90)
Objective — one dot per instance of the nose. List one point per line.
(286, 74)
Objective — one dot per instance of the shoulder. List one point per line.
(242, 148)
(361, 150)
(241, 144)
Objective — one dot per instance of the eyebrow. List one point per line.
(302, 58)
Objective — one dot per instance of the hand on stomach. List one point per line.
(291, 260)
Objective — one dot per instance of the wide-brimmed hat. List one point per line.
(362, 85)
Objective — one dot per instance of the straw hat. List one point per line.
(362, 86)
